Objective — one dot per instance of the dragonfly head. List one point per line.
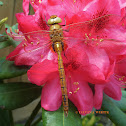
(54, 20)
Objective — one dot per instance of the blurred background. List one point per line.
(9, 9)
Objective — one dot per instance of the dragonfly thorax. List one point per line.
(54, 20)
(54, 27)
(56, 33)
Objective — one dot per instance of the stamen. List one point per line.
(28, 37)
(122, 81)
(32, 1)
(76, 90)
(25, 39)
(17, 31)
(76, 83)
(40, 1)
(38, 43)
(74, 1)
(93, 39)
(25, 44)
(86, 36)
(121, 78)
(101, 40)
(70, 92)
(41, 56)
(32, 43)
(10, 30)
(96, 44)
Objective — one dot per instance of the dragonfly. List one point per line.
(57, 37)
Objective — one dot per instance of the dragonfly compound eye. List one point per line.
(54, 20)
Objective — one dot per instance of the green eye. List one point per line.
(54, 21)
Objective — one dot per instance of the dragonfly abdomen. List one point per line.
(58, 49)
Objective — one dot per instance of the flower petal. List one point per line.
(111, 7)
(40, 73)
(51, 97)
(100, 67)
(98, 96)
(26, 7)
(79, 92)
(113, 89)
(29, 54)
(120, 68)
(27, 23)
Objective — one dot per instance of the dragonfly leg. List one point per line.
(62, 46)
(46, 21)
(65, 21)
(67, 30)
(53, 47)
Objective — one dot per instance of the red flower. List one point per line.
(94, 47)
(46, 74)
(83, 94)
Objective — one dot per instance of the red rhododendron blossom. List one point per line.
(84, 95)
(104, 39)
(95, 41)
(46, 73)
(113, 87)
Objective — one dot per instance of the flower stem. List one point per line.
(34, 113)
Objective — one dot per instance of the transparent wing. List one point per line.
(92, 26)
(90, 36)
(97, 32)
(34, 45)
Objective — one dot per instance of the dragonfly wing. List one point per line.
(111, 46)
(32, 49)
(99, 32)
(91, 27)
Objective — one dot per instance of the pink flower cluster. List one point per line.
(95, 55)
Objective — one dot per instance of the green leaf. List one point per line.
(122, 103)
(1, 3)
(19, 125)
(3, 37)
(40, 123)
(6, 118)
(115, 114)
(16, 95)
(13, 28)
(4, 40)
(124, 93)
(4, 44)
(9, 70)
(57, 118)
